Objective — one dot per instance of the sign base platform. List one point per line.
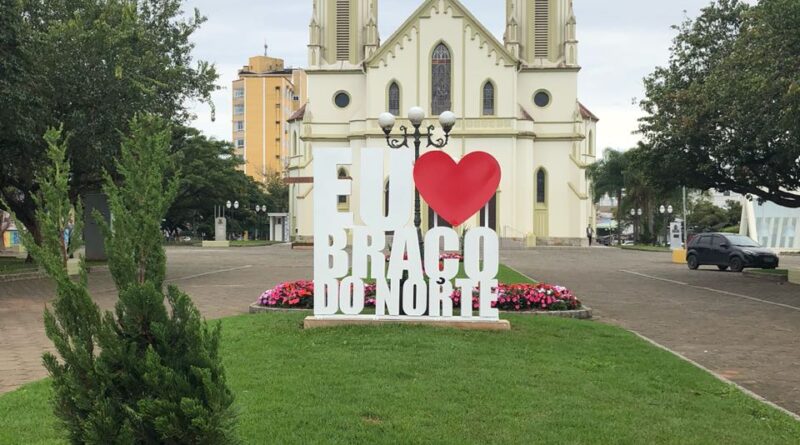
(456, 323)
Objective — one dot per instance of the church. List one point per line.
(515, 99)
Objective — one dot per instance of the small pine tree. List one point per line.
(143, 374)
(163, 366)
(74, 322)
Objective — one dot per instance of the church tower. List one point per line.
(542, 32)
(342, 32)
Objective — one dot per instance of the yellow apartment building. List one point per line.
(265, 95)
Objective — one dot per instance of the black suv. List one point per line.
(728, 251)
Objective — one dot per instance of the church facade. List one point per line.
(515, 99)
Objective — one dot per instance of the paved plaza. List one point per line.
(742, 328)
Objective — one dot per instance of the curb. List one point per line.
(774, 278)
(718, 377)
(9, 278)
(580, 314)
(255, 308)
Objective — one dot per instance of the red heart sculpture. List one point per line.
(457, 191)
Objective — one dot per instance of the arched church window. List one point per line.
(386, 199)
(394, 99)
(488, 99)
(541, 186)
(440, 80)
(343, 199)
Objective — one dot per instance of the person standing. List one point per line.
(590, 234)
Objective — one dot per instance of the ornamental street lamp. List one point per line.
(235, 206)
(260, 213)
(636, 214)
(666, 212)
(416, 115)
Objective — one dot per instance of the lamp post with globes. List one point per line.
(416, 115)
(666, 212)
(235, 206)
(637, 217)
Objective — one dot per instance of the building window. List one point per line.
(541, 98)
(440, 80)
(343, 199)
(238, 93)
(238, 109)
(394, 99)
(341, 99)
(435, 221)
(240, 143)
(541, 29)
(238, 126)
(491, 221)
(488, 99)
(342, 29)
(541, 186)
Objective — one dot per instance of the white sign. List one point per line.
(676, 236)
(339, 275)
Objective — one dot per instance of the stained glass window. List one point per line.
(394, 99)
(541, 187)
(488, 99)
(343, 199)
(440, 88)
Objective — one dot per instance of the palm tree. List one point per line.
(608, 178)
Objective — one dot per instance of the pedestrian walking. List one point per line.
(590, 234)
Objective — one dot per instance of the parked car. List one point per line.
(726, 251)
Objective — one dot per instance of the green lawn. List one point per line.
(549, 380)
(9, 265)
(783, 272)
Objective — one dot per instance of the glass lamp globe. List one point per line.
(416, 115)
(386, 121)
(662, 209)
(670, 209)
(447, 120)
(633, 212)
(236, 205)
(640, 212)
(228, 204)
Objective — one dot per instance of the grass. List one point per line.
(253, 243)
(781, 272)
(647, 248)
(546, 381)
(13, 265)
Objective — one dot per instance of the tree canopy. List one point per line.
(210, 177)
(724, 112)
(90, 65)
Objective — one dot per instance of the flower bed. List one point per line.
(527, 297)
(510, 297)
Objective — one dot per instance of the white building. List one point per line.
(516, 99)
(773, 226)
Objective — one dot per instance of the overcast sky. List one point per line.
(621, 41)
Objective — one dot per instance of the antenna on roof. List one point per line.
(266, 47)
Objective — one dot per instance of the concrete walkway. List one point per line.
(221, 282)
(742, 328)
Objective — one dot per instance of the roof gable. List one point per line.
(458, 10)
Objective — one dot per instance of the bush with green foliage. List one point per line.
(145, 373)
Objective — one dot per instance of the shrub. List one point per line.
(142, 374)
